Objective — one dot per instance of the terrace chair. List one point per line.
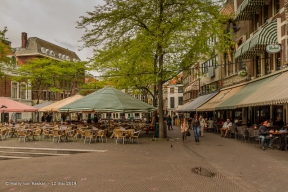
(103, 135)
(37, 132)
(136, 135)
(119, 135)
(21, 134)
(256, 138)
(251, 134)
(89, 134)
(46, 133)
(241, 132)
(70, 133)
(56, 135)
(3, 133)
(129, 134)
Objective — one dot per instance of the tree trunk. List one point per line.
(162, 132)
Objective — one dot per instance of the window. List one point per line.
(258, 66)
(14, 90)
(171, 90)
(278, 61)
(256, 21)
(44, 95)
(142, 98)
(172, 104)
(267, 63)
(276, 6)
(265, 13)
(23, 92)
(180, 100)
(180, 89)
(49, 96)
(18, 115)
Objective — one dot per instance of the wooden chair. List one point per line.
(136, 135)
(21, 134)
(103, 135)
(56, 135)
(119, 135)
(89, 134)
(47, 134)
(37, 132)
(3, 133)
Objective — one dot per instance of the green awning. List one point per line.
(258, 42)
(108, 99)
(233, 101)
(248, 8)
(265, 36)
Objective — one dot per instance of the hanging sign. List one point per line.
(273, 48)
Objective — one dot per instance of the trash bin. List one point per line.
(156, 130)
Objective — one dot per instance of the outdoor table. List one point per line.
(282, 137)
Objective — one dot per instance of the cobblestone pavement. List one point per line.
(163, 165)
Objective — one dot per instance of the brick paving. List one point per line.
(149, 166)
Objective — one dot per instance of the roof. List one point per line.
(36, 46)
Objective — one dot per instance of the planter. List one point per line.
(243, 73)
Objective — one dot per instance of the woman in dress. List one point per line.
(184, 128)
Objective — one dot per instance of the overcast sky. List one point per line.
(50, 20)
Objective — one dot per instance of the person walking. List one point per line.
(169, 122)
(202, 125)
(184, 129)
(196, 125)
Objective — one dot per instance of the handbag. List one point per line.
(188, 133)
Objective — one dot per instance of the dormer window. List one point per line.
(60, 55)
(67, 58)
(43, 50)
(51, 53)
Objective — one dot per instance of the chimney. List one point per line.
(24, 40)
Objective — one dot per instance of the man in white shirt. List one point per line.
(226, 128)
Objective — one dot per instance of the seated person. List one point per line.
(279, 123)
(225, 128)
(264, 134)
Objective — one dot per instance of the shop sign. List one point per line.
(273, 48)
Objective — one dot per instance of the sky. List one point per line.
(51, 20)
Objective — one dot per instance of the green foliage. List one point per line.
(52, 75)
(5, 48)
(140, 43)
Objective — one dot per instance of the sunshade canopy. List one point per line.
(108, 99)
(219, 98)
(193, 105)
(39, 106)
(273, 93)
(248, 8)
(233, 101)
(9, 105)
(55, 106)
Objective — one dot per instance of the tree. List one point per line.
(48, 74)
(5, 50)
(174, 32)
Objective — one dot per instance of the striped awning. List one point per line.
(273, 93)
(193, 105)
(219, 98)
(248, 8)
(258, 42)
(233, 102)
